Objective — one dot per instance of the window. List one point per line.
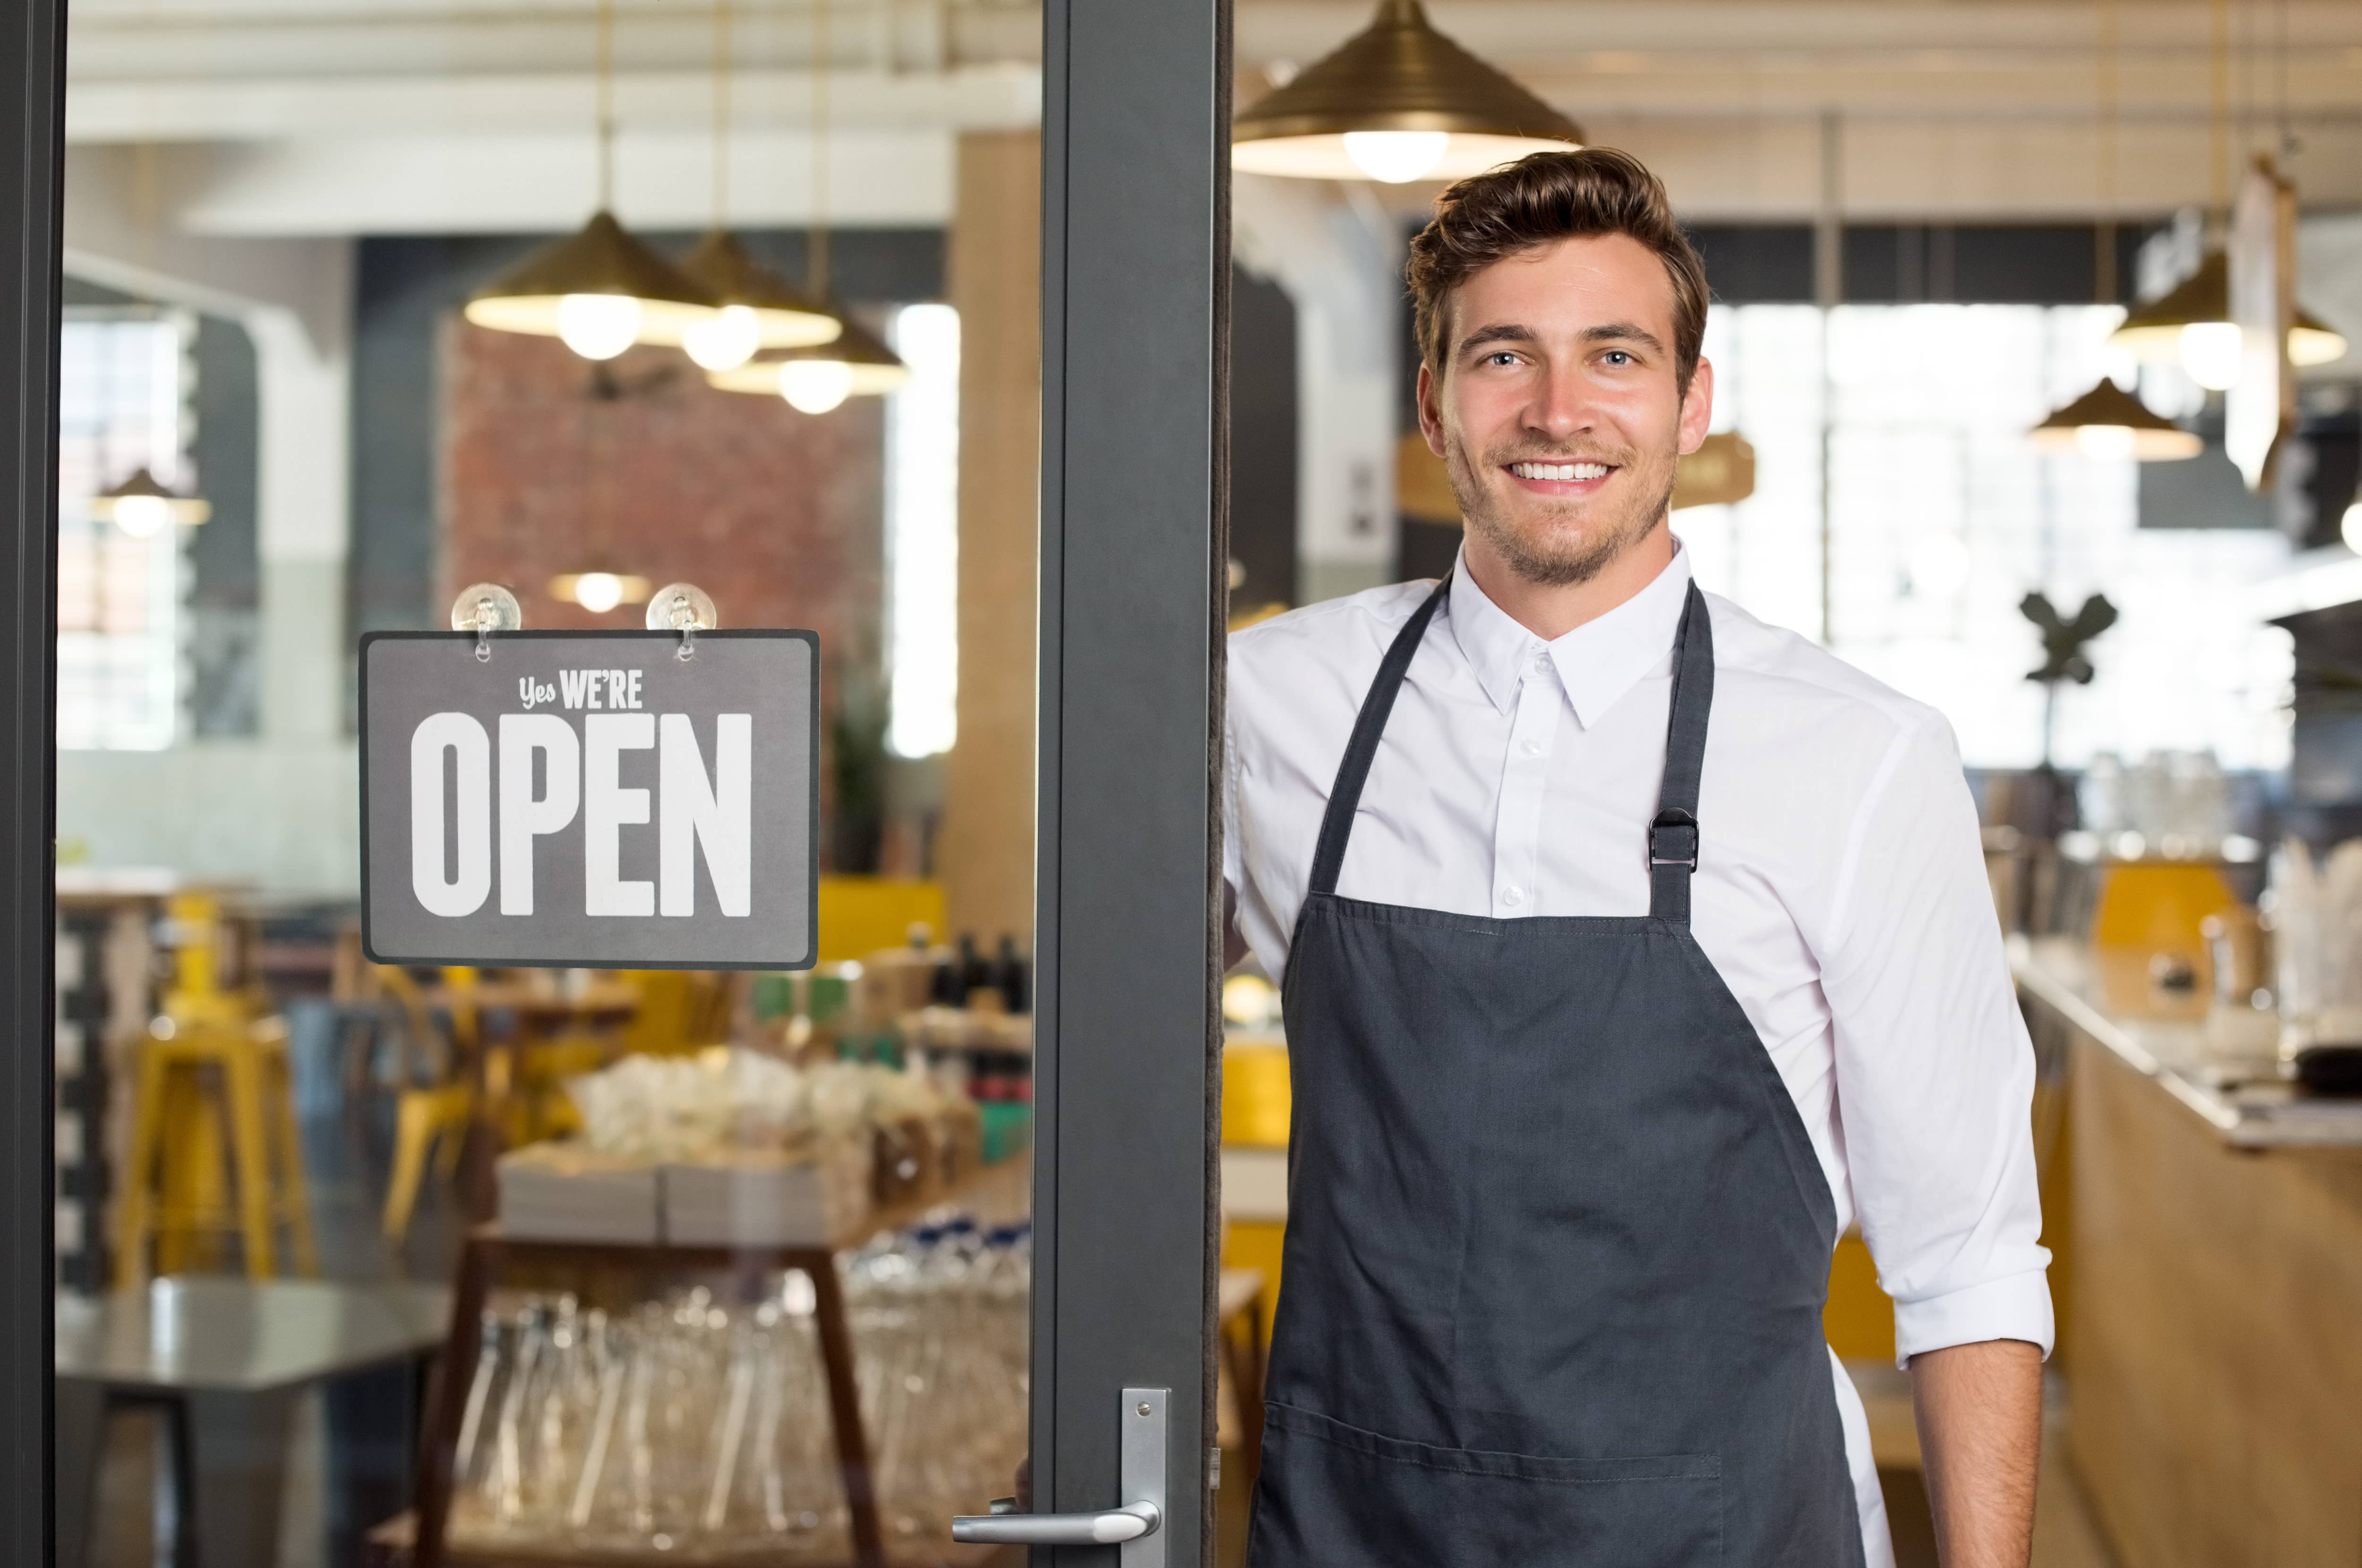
(124, 384)
(1943, 517)
(923, 533)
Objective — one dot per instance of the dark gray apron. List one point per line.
(1557, 1239)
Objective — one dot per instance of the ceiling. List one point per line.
(339, 117)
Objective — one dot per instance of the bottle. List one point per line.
(976, 974)
(1010, 976)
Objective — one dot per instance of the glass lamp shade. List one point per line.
(2156, 332)
(2109, 422)
(599, 290)
(869, 369)
(1397, 102)
(141, 507)
(765, 310)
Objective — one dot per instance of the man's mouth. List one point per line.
(1559, 478)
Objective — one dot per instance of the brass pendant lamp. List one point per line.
(2107, 421)
(1397, 102)
(2192, 324)
(759, 309)
(856, 362)
(141, 506)
(599, 290)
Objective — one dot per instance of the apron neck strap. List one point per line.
(1346, 797)
(1673, 835)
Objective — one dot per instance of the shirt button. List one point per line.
(1533, 748)
(1513, 897)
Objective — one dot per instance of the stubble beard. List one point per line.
(1561, 543)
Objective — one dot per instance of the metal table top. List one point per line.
(217, 1332)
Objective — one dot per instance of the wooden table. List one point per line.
(488, 1251)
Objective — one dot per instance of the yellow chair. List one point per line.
(194, 1078)
(432, 1120)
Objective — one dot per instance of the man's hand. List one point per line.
(1979, 1410)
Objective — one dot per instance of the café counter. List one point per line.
(2209, 1277)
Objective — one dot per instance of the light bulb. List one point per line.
(724, 340)
(2211, 352)
(2350, 528)
(1396, 156)
(598, 592)
(598, 326)
(142, 517)
(815, 386)
(2104, 440)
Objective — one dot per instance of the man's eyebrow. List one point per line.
(1623, 331)
(1607, 332)
(1499, 332)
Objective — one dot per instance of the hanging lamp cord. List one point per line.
(721, 114)
(605, 71)
(816, 256)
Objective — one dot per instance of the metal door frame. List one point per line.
(32, 76)
(1135, 485)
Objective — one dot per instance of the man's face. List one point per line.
(1555, 407)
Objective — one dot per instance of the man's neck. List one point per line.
(1550, 611)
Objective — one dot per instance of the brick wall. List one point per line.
(778, 514)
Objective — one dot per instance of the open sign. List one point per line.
(591, 799)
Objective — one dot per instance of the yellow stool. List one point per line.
(181, 1127)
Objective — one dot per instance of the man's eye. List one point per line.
(1617, 357)
(1500, 357)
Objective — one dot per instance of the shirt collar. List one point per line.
(1597, 663)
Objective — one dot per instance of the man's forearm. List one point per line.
(1979, 1410)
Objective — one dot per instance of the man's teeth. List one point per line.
(1558, 470)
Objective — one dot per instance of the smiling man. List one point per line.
(1632, 950)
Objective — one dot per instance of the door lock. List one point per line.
(1135, 1526)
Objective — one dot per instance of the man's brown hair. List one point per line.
(1543, 197)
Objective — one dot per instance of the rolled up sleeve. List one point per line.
(1934, 1073)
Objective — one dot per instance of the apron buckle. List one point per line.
(1682, 842)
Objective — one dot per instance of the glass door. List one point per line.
(318, 1253)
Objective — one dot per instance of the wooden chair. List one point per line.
(207, 1087)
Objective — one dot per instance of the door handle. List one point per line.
(1009, 1528)
(1133, 1527)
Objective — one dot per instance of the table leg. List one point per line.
(236, 1465)
(78, 1431)
(372, 1420)
(845, 1410)
(446, 1403)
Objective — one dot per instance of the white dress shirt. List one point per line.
(1840, 890)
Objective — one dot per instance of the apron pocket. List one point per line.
(1339, 1496)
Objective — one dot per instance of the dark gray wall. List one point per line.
(1262, 440)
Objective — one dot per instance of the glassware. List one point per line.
(687, 1424)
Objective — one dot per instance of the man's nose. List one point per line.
(1561, 405)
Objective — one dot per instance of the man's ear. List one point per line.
(1431, 409)
(1697, 407)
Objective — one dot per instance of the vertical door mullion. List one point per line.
(1134, 486)
(32, 77)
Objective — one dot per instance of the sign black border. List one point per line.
(811, 957)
